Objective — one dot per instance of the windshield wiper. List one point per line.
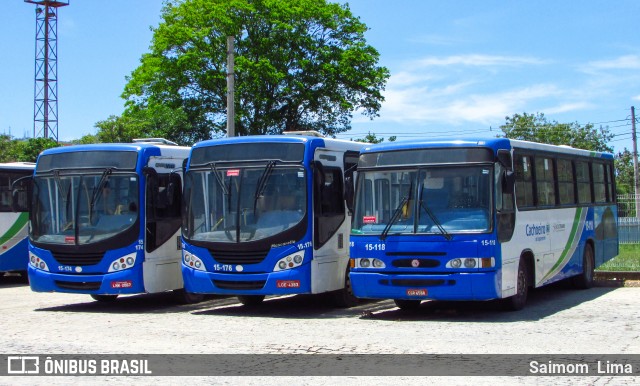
(262, 183)
(97, 191)
(394, 218)
(435, 220)
(214, 170)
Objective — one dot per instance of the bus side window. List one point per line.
(524, 181)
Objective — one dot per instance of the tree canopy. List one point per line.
(537, 128)
(299, 65)
(26, 150)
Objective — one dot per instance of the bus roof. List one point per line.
(492, 143)
(312, 140)
(168, 150)
(18, 166)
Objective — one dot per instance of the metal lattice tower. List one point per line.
(45, 106)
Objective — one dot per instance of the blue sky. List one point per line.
(457, 67)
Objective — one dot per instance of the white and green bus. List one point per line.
(14, 254)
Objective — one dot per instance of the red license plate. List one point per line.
(417, 292)
(288, 283)
(122, 284)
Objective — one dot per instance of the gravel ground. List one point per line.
(557, 320)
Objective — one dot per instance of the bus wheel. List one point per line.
(251, 300)
(344, 297)
(517, 301)
(407, 305)
(105, 298)
(186, 297)
(585, 279)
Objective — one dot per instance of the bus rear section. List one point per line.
(450, 220)
(267, 216)
(106, 220)
(14, 214)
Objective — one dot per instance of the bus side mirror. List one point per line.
(504, 157)
(349, 192)
(21, 193)
(508, 181)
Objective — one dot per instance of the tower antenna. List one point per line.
(45, 105)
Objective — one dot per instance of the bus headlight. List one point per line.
(37, 263)
(124, 262)
(472, 262)
(192, 261)
(290, 261)
(369, 263)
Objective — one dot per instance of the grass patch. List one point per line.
(627, 260)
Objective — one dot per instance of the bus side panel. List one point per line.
(14, 254)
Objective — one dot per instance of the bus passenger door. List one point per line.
(163, 202)
(330, 228)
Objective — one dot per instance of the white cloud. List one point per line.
(477, 60)
(626, 62)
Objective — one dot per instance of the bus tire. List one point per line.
(585, 279)
(407, 305)
(105, 298)
(518, 301)
(186, 297)
(344, 298)
(251, 300)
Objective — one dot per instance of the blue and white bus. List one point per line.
(479, 219)
(14, 219)
(266, 215)
(105, 219)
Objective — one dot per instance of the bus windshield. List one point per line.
(440, 200)
(83, 208)
(242, 204)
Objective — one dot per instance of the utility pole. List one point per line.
(635, 161)
(231, 130)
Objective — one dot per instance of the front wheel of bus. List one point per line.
(251, 300)
(186, 297)
(344, 297)
(407, 305)
(585, 279)
(517, 301)
(105, 298)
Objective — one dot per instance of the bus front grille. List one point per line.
(79, 285)
(418, 282)
(239, 257)
(422, 263)
(75, 258)
(239, 285)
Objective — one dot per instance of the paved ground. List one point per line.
(557, 320)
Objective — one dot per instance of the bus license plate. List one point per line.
(121, 284)
(288, 283)
(417, 292)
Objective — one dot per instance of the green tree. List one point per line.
(624, 172)
(28, 151)
(372, 138)
(299, 65)
(537, 128)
